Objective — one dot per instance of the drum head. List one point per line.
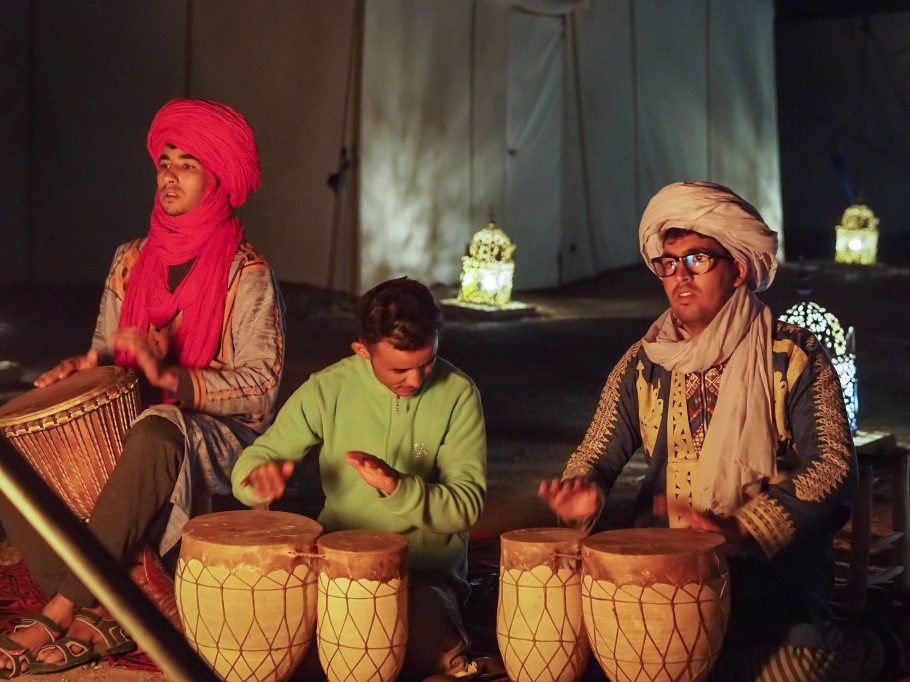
(653, 541)
(252, 528)
(362, 542)
(537, 536)
(73, 391)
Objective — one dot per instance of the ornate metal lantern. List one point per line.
(841, 347)
(486, 276)
(857, 236)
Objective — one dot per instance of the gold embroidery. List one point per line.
(682, 458)
(797, 360)
(768, 522)
(781, 389)
(827, 471)
(582, 460)
(650, 410)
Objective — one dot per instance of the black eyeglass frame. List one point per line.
(687, 263)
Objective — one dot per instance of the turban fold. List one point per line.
(713, 211)
(208, 235)
(216, 135)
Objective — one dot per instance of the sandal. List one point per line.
(21, 658)
(116, 641)
(52, 627)
(75, 652)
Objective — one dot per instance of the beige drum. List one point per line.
(246, 591)
(362, 626)
(71, 432)
(656, 602)
(539, 623)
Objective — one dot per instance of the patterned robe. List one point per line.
(234, 397)
(794, 516)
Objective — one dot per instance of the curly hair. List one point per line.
(402, 311)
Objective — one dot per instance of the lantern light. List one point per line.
(857, 236)
(487, 270)
(841, 347)
(486, 277)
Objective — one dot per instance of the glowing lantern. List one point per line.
(840, 347)
(857, 236)
(486, 276)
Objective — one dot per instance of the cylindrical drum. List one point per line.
(656, 602)
(246, 591)
(539, 623)
(71, 432)
(362, 617)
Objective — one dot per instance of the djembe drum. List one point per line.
(539, 623)
(246, 592)
(656, 602)
(362, 627)
(71, 432)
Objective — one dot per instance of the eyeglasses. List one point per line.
(695, 263)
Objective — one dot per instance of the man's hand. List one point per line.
(570, 500)
(730, 527)
(269, 480)
(67, 367)
(159, 374)
(373, 470)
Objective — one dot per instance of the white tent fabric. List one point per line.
(572, 114)
(563, 116)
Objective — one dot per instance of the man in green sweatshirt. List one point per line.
(402, 447)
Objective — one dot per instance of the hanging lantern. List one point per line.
(841, 348)
(487, 270)
(857, 236)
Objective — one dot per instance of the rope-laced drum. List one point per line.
(656, 602)
(71, 432)
(539, 623)
(362, 628)
(246, 591)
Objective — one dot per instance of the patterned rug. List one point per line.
(19, 596)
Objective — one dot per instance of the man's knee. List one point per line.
(153, 442)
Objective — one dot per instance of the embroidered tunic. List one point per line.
(666, 414)
(226, 405)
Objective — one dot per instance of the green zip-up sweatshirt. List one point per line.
(435, 439)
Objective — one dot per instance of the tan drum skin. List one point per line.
(362, 619)
(539, 622)
(656, 602)
(246, 591)
(72, 431)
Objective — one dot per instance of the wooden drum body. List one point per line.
(656, 602)
(363, 605)
(539, 623)
(71, 432)
(246, 591)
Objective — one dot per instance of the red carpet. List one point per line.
(20, 596)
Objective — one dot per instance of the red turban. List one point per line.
(208, 234)
(216, 135)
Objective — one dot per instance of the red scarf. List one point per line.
(223, 142)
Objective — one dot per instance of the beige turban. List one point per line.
(714, 211)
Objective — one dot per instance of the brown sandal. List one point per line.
(116, 641)
(21, 658)
(75, 652)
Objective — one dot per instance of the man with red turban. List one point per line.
(743, 427)
(197, 311)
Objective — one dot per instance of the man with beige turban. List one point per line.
(744, 430)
